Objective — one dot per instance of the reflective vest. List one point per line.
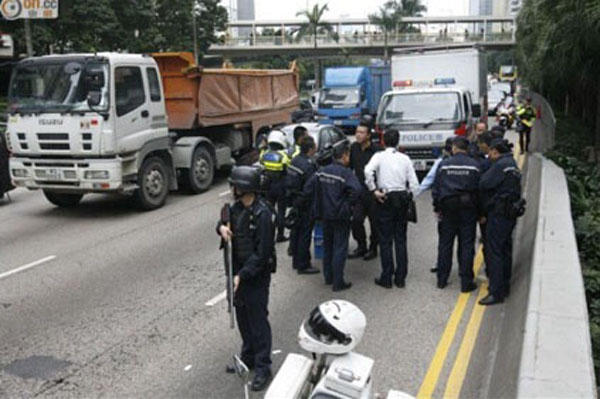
(294, 151)
(527, 114)
(274, 161)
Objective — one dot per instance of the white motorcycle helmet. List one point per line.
(277, 137)
(334, 327)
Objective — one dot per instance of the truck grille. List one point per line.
(420, 153)
(54, 141)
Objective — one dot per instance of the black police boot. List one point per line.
(490, 300)
(370, 254)
(471, 286)
(433, 269)
(260, 381)
(308, 270)
(442, 284)
(343, 287)
(381, 283)
(359, 252)
(399, 283)
(282, 238)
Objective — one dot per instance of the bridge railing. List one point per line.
(365, 39)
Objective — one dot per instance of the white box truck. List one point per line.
(435, 95)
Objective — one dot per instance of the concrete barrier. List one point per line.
(543, 345)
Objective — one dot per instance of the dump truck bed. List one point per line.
(197, 97)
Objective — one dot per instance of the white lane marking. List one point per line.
(27, 266)
(188, 367)
(224, 193)
(217, 299)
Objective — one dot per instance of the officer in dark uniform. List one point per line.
(484, 141)
(455, 201)
(252, 233)
(300, 171)
(361, 152)
(501, 186)
(335, 189)
(299, 133)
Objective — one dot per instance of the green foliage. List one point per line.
(315, 24)
(558, 54)
(584, 188)
(123, 25)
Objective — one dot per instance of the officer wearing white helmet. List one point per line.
(275, 161)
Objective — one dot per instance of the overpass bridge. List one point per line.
(359, 37)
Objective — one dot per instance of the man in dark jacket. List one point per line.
(455, 201)
(501, 186)
(361, 152)
(335, 189)
(302, 168)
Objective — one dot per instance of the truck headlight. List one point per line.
(20, 173)
(96, 174)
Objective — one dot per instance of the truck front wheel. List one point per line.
(153, 181)
(63, 200)
(200, 175)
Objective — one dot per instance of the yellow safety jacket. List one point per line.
(294, 152)
(527, 114)
(274, 161)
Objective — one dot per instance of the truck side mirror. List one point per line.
(476, 110)
(94, 98)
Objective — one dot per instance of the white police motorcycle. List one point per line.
(334, 371)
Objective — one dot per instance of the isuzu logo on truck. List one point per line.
(51, 122)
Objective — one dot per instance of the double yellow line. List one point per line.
(461, 363)
(459, 369)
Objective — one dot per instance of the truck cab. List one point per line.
(88, 123)
(426, 117)
(351, 92)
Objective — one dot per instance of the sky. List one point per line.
(287, 9)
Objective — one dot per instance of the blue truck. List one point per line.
(349, 93)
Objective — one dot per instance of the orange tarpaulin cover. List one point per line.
(209, 97)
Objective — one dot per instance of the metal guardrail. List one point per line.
(367, 40)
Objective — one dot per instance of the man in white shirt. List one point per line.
(391, 177)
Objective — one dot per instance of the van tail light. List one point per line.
(461, 130)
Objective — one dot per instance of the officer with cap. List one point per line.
(455, 201)
(501, 186)
(335, 189)
(275, 161)
(299, 172)
(391, 177)
(251, 231)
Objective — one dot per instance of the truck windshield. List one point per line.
(58, 87)
(420, 107)
(340, 96)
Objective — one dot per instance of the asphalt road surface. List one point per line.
(112, 303)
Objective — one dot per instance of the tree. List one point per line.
(313, 27)
(387, 19)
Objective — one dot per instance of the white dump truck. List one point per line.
(135, 124)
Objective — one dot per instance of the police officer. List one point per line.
(299, 133)
(455, 201)
(526, 115)
(501, 185)
(254, 259)
(275, 161)
(361, 152)
(335, 189)
(299, 172)
(391, 177)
